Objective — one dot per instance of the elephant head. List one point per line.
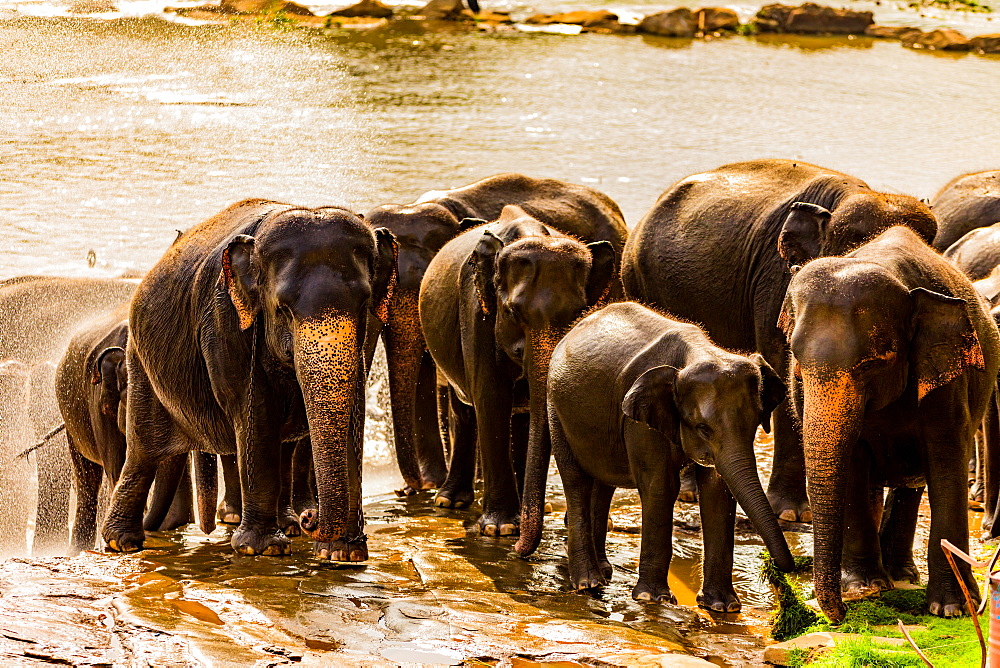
(312, 279)
(860, 339)
(421, 230)
(811, 231)
(535, 285)
(111, 375)
(712, 408)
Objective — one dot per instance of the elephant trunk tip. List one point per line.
(784, 560)
(531, 535)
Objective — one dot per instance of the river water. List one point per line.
(120, 128)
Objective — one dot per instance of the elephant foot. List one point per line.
(948, 600)
(720, 599)
(606, 569)
(343, 550)
(227, 514)
(269, 542)
(689, 486)
(858, 579)
(456, 499)
(288, 522)
(407, 490)
(586, 576)
(495, 524)
(434, 478)
(789, 507)
(659, 593)
(124, 540)
(902, 571)
(976, 492)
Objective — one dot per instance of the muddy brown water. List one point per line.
(120, 128)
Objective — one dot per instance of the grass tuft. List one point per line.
(792, 617)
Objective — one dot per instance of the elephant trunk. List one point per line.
(537, 354)
(740, 474)
(404, 347)
(328, 364)
(206, 481)
(831, 421)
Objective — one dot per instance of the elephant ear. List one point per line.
(469, 223)
(484, 261)
(802, 233)
(602, 270)
(944, 341)
(384, 272)
(113, 356)
(772, 391)
(650, 400)
(240, 278)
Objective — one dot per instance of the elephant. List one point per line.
(494, 302)
(894, 360)
(421, 229)
(965, 203)
(712, 250)
(977, 253)
(39, 315)
(632, 397)
(253, 331)
(90, 384)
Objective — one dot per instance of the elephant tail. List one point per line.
(45, 439)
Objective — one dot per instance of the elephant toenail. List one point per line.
(806, 516)
(548, 508)
(490, 530)
(323, 554)
(787, 515)
(644, 596)
(507, 529)
(358, 555)
(442, 502)
(113, 544)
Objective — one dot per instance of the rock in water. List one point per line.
(367, 8)
(678, 22)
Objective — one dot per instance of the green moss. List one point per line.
(864, 651)
(961, 5)
(792, 617)
(746, 29)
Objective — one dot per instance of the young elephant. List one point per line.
(421, 229)
(894, 361)
(91, 383)
(493, 304)
(633, 396)
(255, 330)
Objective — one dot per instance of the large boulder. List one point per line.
(985, 43)
(263, 7)
(892, 32)
(944, 39)
(812, 19)
(587, 19)
(679, 22)
(715, 19)
(444, 10)
(366, 8)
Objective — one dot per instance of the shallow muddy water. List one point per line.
(119, 130)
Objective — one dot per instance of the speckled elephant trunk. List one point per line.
(831, 421)
(328, 366)
(404, 343)
(538, 351)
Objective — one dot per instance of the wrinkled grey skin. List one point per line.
(634, 396)
(38, 315)
(977, 253)
(967, 202)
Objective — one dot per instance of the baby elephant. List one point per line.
(633, 396)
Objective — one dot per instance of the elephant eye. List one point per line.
(870, 365)
(704, 430)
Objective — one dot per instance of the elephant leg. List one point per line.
(288, 519)
(658, 490)
(689, 485)
(519, 428)
(947, 492)
(501, 504)
(54, 480)
(786, 489)
(861, 563)
(231, 508)
(258, 452)
(180, 512)
(600, 508)
(167, 481)
(303, 478)
(991, 468)
(427, 432)
(899, 524)
(584, 570)
(149, 433)
(718, 522)
(206, 482)
(87, 475)
(457, 491)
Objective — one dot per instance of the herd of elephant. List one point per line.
(521, 319)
